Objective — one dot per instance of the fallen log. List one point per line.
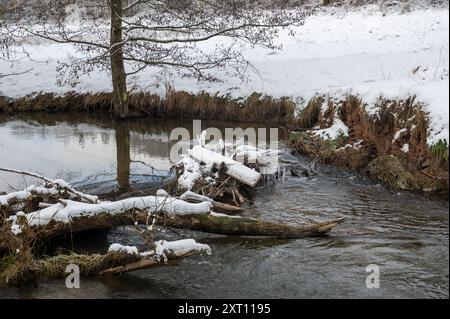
(205, 222)
(66, 210)
(237, 226)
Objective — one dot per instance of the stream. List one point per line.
(405, 234)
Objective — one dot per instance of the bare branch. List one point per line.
(14, 73)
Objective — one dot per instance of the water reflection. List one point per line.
(123, 155)
(95, 154)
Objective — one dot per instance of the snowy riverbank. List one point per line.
(362, 52)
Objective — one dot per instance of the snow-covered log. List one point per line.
(53, 187)
(67, 210)
(234, 169)
(192, 196)
(69, 216)
(164, 253)
(26, 194)
(73, 218)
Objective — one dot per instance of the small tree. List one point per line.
(169, 35)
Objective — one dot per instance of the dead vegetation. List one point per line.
(390, 144)
(176, 104)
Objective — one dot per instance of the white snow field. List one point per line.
(335, 52)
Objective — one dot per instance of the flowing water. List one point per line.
(406, 235)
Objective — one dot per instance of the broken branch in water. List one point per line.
(59, 184)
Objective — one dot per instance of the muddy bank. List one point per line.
(390, 144)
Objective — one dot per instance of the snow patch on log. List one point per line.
(52, 186)
(5, 200)
(189, 195)
(223, 215)
(118, 248)
(179, 248)
(66, 186)
(164, 248)
(162, 193)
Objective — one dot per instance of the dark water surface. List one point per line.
(405, 234)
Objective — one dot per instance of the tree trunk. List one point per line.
(119, 78)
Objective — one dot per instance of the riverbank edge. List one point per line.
(389, 144)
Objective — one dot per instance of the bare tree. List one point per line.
(170, 35)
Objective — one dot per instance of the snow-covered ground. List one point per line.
(363, 52)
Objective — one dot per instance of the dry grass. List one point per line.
(16, 260)
(176, 104)
(93, 264)
(310, 114)
(377, 131)
(391, 172)
(12, 271)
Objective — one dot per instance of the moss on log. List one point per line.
(249, 227)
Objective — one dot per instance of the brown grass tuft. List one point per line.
(176, 104)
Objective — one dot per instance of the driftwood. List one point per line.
(233, 168)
